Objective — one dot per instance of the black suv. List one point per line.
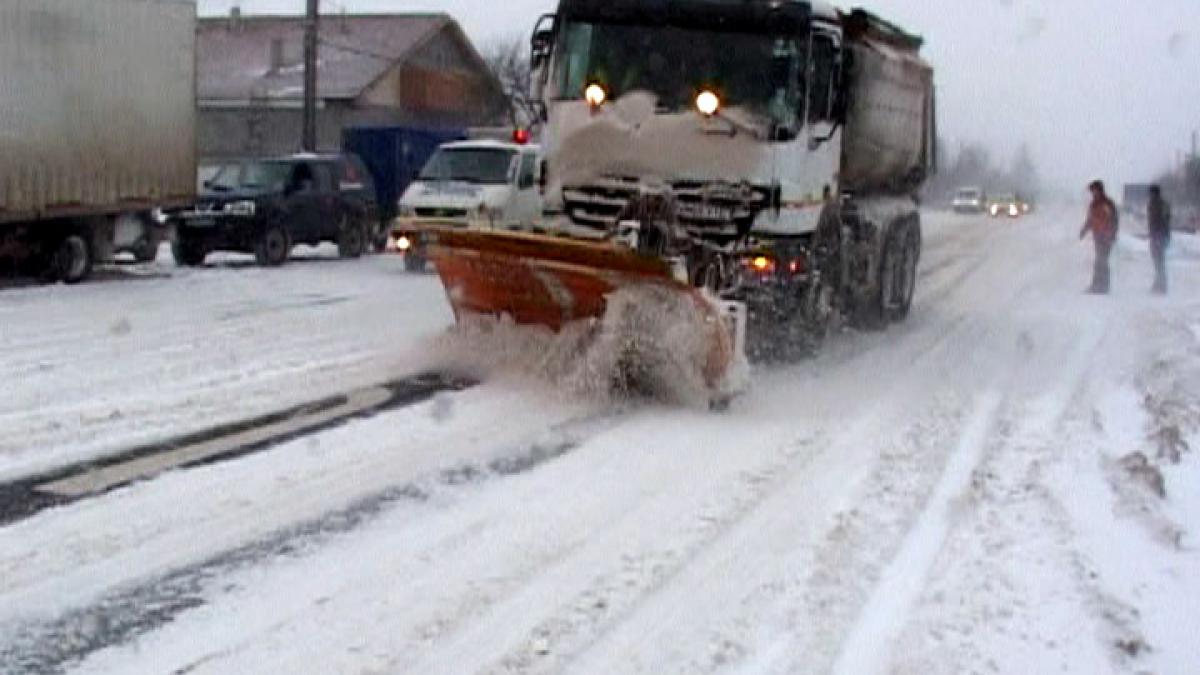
(267, 206)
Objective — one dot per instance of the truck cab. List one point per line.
(475, 183)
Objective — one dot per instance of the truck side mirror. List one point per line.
(542, 42)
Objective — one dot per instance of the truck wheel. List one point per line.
(906, 275)
(72, 259)
(274, 246)
(352, 238)
(188, 251)
(875, 310)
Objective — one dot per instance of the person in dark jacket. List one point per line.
(1102, 224)
(1158, 214)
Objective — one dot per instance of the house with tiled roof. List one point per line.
(377, 69)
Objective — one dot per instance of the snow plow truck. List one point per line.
(752, 165)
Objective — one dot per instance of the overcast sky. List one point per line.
(1097, 88)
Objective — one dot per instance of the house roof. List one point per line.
(234, 55)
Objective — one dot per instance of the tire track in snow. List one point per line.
(52, 646)
(26, 497)
(867, 648)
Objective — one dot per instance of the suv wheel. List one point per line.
(188, 251)
(414, 262)
(352, 238)
(274, 246)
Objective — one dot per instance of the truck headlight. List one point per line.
(995, 210)
(595, 94)
(708, 103)
(403, 243)
(1013, 210)
(245, 208)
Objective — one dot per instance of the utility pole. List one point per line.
(311, 21)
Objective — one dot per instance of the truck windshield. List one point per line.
(676, 63)
(472, 165)
(249, 176)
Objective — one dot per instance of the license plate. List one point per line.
(704, 211)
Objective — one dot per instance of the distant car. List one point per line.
(265, 207)
(481, 183)
(1007, 206)
(969, 200)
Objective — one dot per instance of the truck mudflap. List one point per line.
(552, 281)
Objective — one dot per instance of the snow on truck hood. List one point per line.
(630, 138)
(455, 194)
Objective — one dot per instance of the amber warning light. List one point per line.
(595, 95)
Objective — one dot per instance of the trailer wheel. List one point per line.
(145, 252)
(72, 259)
(352, 238)
(274, 246)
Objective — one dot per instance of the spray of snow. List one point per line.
(652, 343)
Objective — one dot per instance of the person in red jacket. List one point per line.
(1102, 224)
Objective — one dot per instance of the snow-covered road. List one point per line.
(1000, 484)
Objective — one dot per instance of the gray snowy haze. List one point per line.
(1096, 88)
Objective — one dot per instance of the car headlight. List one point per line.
(244, 208)
(1013, 210)
(403, 243)
(995, 209)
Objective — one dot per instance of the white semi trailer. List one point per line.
(97, 129)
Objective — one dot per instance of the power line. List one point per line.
(356, 50)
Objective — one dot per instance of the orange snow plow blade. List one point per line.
(550, 281)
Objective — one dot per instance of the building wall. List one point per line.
(258, 131)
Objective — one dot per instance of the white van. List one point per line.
(479, 183)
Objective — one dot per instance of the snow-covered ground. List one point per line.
(156, 351)
(1004, 483)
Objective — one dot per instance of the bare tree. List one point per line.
(508, 59)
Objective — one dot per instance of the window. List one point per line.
(528, 162)
(470, 164)
(823, 69)
(749, 70)
(324, 177)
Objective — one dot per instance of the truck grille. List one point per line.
(704, 209)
